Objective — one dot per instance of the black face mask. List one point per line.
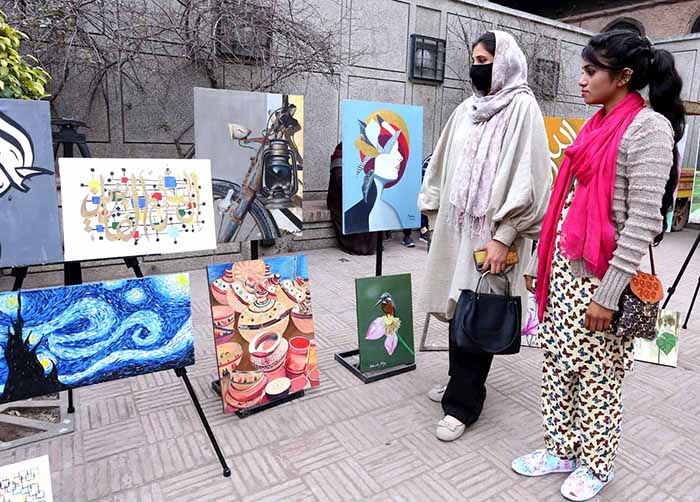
(480, 75)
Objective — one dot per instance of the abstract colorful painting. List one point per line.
(128, 207)
(30, 233)
(59, 338)
(382, 157)
(384, 321)
(263, 330)
(256, 145)
(26, 481)
(663, 349)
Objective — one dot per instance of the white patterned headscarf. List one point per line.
(490, 114)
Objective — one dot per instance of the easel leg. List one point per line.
(72, 276)
(133, 263)
(182, 373)
(692, 304)
(379, 254)
(672, 289)
(19, 273)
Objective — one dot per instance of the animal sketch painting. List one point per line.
(255, 142)
(382, 157)
(59, 338)
(30, 232)
(127, 207)
(384, 321)
(263, 330)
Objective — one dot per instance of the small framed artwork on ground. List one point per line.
(66, 337)
(29, 228)
(26, 481)
(663, 349)
(135, 207)
(382, 157)
(263, 330)
(385, 322)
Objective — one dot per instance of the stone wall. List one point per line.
(660, 18)
(124, 124)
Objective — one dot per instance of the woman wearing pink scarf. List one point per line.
(607, 207)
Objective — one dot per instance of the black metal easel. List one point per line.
(672, 289)
(67, 137)
(216, 384)
(351, 359)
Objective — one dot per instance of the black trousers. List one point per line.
(466, 391)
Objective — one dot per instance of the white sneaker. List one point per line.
(436, 393)
(449, 429)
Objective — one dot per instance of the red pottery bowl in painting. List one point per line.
(298, 354)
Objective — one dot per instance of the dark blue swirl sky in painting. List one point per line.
(103, 331)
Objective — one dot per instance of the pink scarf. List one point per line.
(587, 232)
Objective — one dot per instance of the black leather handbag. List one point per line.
(487, 323)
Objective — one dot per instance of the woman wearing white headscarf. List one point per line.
(487, 187)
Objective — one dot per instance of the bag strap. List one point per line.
(651, 259)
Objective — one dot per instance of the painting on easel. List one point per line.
(67, 337)
(30, 232)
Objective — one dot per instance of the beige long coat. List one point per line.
(517, 206)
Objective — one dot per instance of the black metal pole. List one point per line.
(672, 289)
(182, 373)
(692, 304)
(19, 273)
(254, 250)
(380, 252)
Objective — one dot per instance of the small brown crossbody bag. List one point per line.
(639, 305)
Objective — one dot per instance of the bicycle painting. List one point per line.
(255, 144)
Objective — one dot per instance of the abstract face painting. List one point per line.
(255, 142)
(384, 321)
(381, 166)
(263, 330)
(30, 232)
(127, 207)
(59, 338)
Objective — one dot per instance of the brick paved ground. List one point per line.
(140, 439)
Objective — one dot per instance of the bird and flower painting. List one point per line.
(384, 322)
(59, 338)
(30, 232)
(381, 166)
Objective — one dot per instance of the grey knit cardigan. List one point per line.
(643, 164)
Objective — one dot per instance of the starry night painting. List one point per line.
(60, 338)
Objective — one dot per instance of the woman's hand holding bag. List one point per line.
(486, 322)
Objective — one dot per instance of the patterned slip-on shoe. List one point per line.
(582, 484)
(541, 462)
(449, 429)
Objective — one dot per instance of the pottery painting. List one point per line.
(255, 142)
(384, 321)
(382, 158)
(135, 207)
(263, 330)
(30, 232)
(59, 338)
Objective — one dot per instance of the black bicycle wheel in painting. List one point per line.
(262, 226)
